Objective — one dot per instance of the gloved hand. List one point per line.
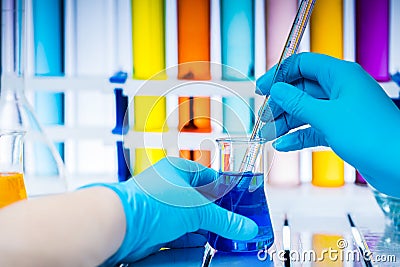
(164, 203)
(346, 110)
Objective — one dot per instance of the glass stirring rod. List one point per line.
(291, 46)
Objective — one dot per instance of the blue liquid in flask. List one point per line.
(250, 204)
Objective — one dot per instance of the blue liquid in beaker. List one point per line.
(250, 204)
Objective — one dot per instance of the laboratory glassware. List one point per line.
(145, 157)
(200, 156)
(372, 37)
(327, 168)
(238, 198)
(194, 39)
(16, 112)
(326, 37)
(48, 36)
(194, 114)
(291, 46)
(237, 54)
(12, 186)
(279, 16)
(390, 207)
(359, 179)
(194, 62)
(326, 28)
(148, 49)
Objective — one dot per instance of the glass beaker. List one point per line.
(246, 197)
(12, 186)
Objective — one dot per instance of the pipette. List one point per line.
(291, 46)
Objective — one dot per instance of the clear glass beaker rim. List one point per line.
(241, 140)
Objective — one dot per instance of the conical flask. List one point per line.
(44, 171)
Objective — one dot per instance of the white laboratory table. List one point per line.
(314, 214)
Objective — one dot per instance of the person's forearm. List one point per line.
(82, 228)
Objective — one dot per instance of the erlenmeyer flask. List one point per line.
(17, 114)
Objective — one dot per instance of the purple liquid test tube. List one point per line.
(372, 37)
(359, 179)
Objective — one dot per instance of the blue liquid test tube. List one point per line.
(123, 155)
(49, 53)
(237, 44)
(121, 126)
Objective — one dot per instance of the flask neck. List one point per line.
(13, 35)
(12, 89)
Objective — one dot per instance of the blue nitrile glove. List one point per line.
(346, 110)
(164, 204)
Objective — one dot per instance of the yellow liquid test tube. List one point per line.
(148, 44)
(12, 188)
(327, 169)
(145, 157)
(326, 37)
(150, 114)
(326, 28)
(148, 39)
(322, 244)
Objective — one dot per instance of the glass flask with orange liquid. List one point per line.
(12, 186)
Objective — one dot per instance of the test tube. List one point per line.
(48, 61)
(284, 166)
(145, 157)
(321, 243)
(121, 126)
(194, 114)
(148, 39)
(148, 50)
(200, 156)
(148, 44)
(194, 62)
(17, 112)
(372, 37)
(237, 51)
(123, 158)
(194, 39)
(359, 179)
(326, 36)
(326, 28)
(327, 169)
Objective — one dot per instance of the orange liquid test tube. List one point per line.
(326, 36)
(200, 156)
(194, 62)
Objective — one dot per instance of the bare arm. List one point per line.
(81, 228)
